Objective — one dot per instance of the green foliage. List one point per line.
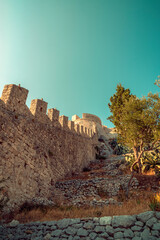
(152, 161)
(137, 121)
(157, 82)
(117, 103)
(155, 202)
(149, 160)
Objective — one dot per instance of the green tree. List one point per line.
(137, 122)
(117, 103)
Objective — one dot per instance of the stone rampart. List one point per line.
(37, 149)
(144, 226)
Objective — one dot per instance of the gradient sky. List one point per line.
(73, 53)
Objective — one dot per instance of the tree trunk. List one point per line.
(137, 156)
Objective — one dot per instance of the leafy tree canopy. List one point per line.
(137, 121)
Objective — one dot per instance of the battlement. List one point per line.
(14, 99)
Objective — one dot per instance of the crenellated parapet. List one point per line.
(53, 115)
(71, 125)
(38, 108)
(14, 99)
(63, 121)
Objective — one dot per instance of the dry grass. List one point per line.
(135, 205)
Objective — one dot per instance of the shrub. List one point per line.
(155, 202)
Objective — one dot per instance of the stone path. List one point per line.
(102, 177)
(145, 226)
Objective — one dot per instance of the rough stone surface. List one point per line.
(85, 229)
(31, 140)
(143, 217)
(125, 221)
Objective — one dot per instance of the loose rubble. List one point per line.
(89, 190)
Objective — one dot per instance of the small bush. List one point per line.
(155, 202)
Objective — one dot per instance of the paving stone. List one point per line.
(99, 229)
(146, 234)
(137, 234)
(88, 225)
(70, 238)
(155, 233)
(96, 219)
(76, 238)
(118, 235)
(77, 225)
(119, 229)
(105, 220)
(104, 235)
(51, 223)
(64, 236)
(82, 232)
(75, 221)
(92, 235)
(14, 223)
(63, 223)
(71, 231)
(151, 221)
(123, 221)
(144, 217)
(40, 233)
(158, 215)
(47, 237)
(139, 223)
(109, 230)
(136, 228)
(99, 238)
(128, 233)
(56, 233)
(156, 226)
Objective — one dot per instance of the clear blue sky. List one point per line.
(73, 53)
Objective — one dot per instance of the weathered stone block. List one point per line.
(143, 217)
(128, 233)
(53, 114)
(151, 221)
(82, 232)
(105, 220)
(15, 98)
(38, 108)
(71, 125)
(63, 121)
(123, 221)
(77, 128)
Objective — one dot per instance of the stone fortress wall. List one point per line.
(37, 149)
